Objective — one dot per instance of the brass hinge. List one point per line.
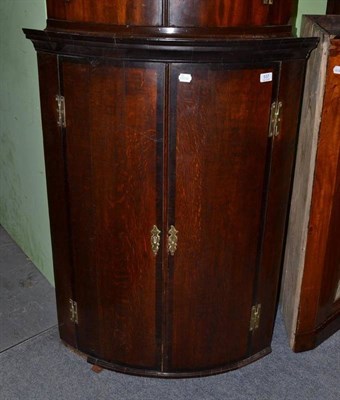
(275, 119)
(61, 111)
(255, 317)
(73, 311)
(268, 1)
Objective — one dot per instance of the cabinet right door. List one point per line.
(219, 162)
(223, 13)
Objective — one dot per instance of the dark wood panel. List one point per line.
(283, 156)
(112, 142)
(159, 31)
(333, 7)
(222, 13)
(125, 46)
(324, 188)
(311, 267)
(75, 81)
(57, 193)
(220, 135)
(56, 9)
(119, 12)
(282, 12)
(329, 301)
(323, 253)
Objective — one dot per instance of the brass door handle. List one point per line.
(172, 240)
(155, 239)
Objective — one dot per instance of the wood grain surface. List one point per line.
(218, 152)
(222, 13)
(118, 12)
(312, 262)
(282, 163)
(112, 166)
(322, 263)
(198, 13)
(54, 140)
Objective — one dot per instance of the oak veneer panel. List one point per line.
(118, 12)
(221, 13)
(312, 266)
(112, 165)
(220, 136)
(57, 194)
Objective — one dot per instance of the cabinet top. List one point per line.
(176, 48)
(174, 13)
(328, 24)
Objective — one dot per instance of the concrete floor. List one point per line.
(35, 365)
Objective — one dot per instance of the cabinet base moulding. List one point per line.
(180, 374)
(310, 340)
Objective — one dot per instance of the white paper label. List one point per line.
(187, 78)
(336, 69)
(267, 77)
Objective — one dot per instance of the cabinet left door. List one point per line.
(117, 12)
(105, 196)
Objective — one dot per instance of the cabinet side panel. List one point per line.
(283, 156)
(57, 196)
(113, 141)
(119, 12)
(220, 130)
(294, 259)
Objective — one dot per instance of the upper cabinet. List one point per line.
(175, 13)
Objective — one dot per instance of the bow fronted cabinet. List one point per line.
(170, 131)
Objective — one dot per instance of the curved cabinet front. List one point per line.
(168, 187)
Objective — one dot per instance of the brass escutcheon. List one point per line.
(155, 239)
(172, 240)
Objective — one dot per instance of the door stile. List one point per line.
(81, 201)
(279, 188)
(268, 170)
(63, 131)
(164, 275)
(161, 207)
(54, 141)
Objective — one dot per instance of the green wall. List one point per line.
(310, 7)
(23, 203)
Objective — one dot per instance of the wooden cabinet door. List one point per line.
(113, 142)
(119, 12)
(220, 156)
(219, 13)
